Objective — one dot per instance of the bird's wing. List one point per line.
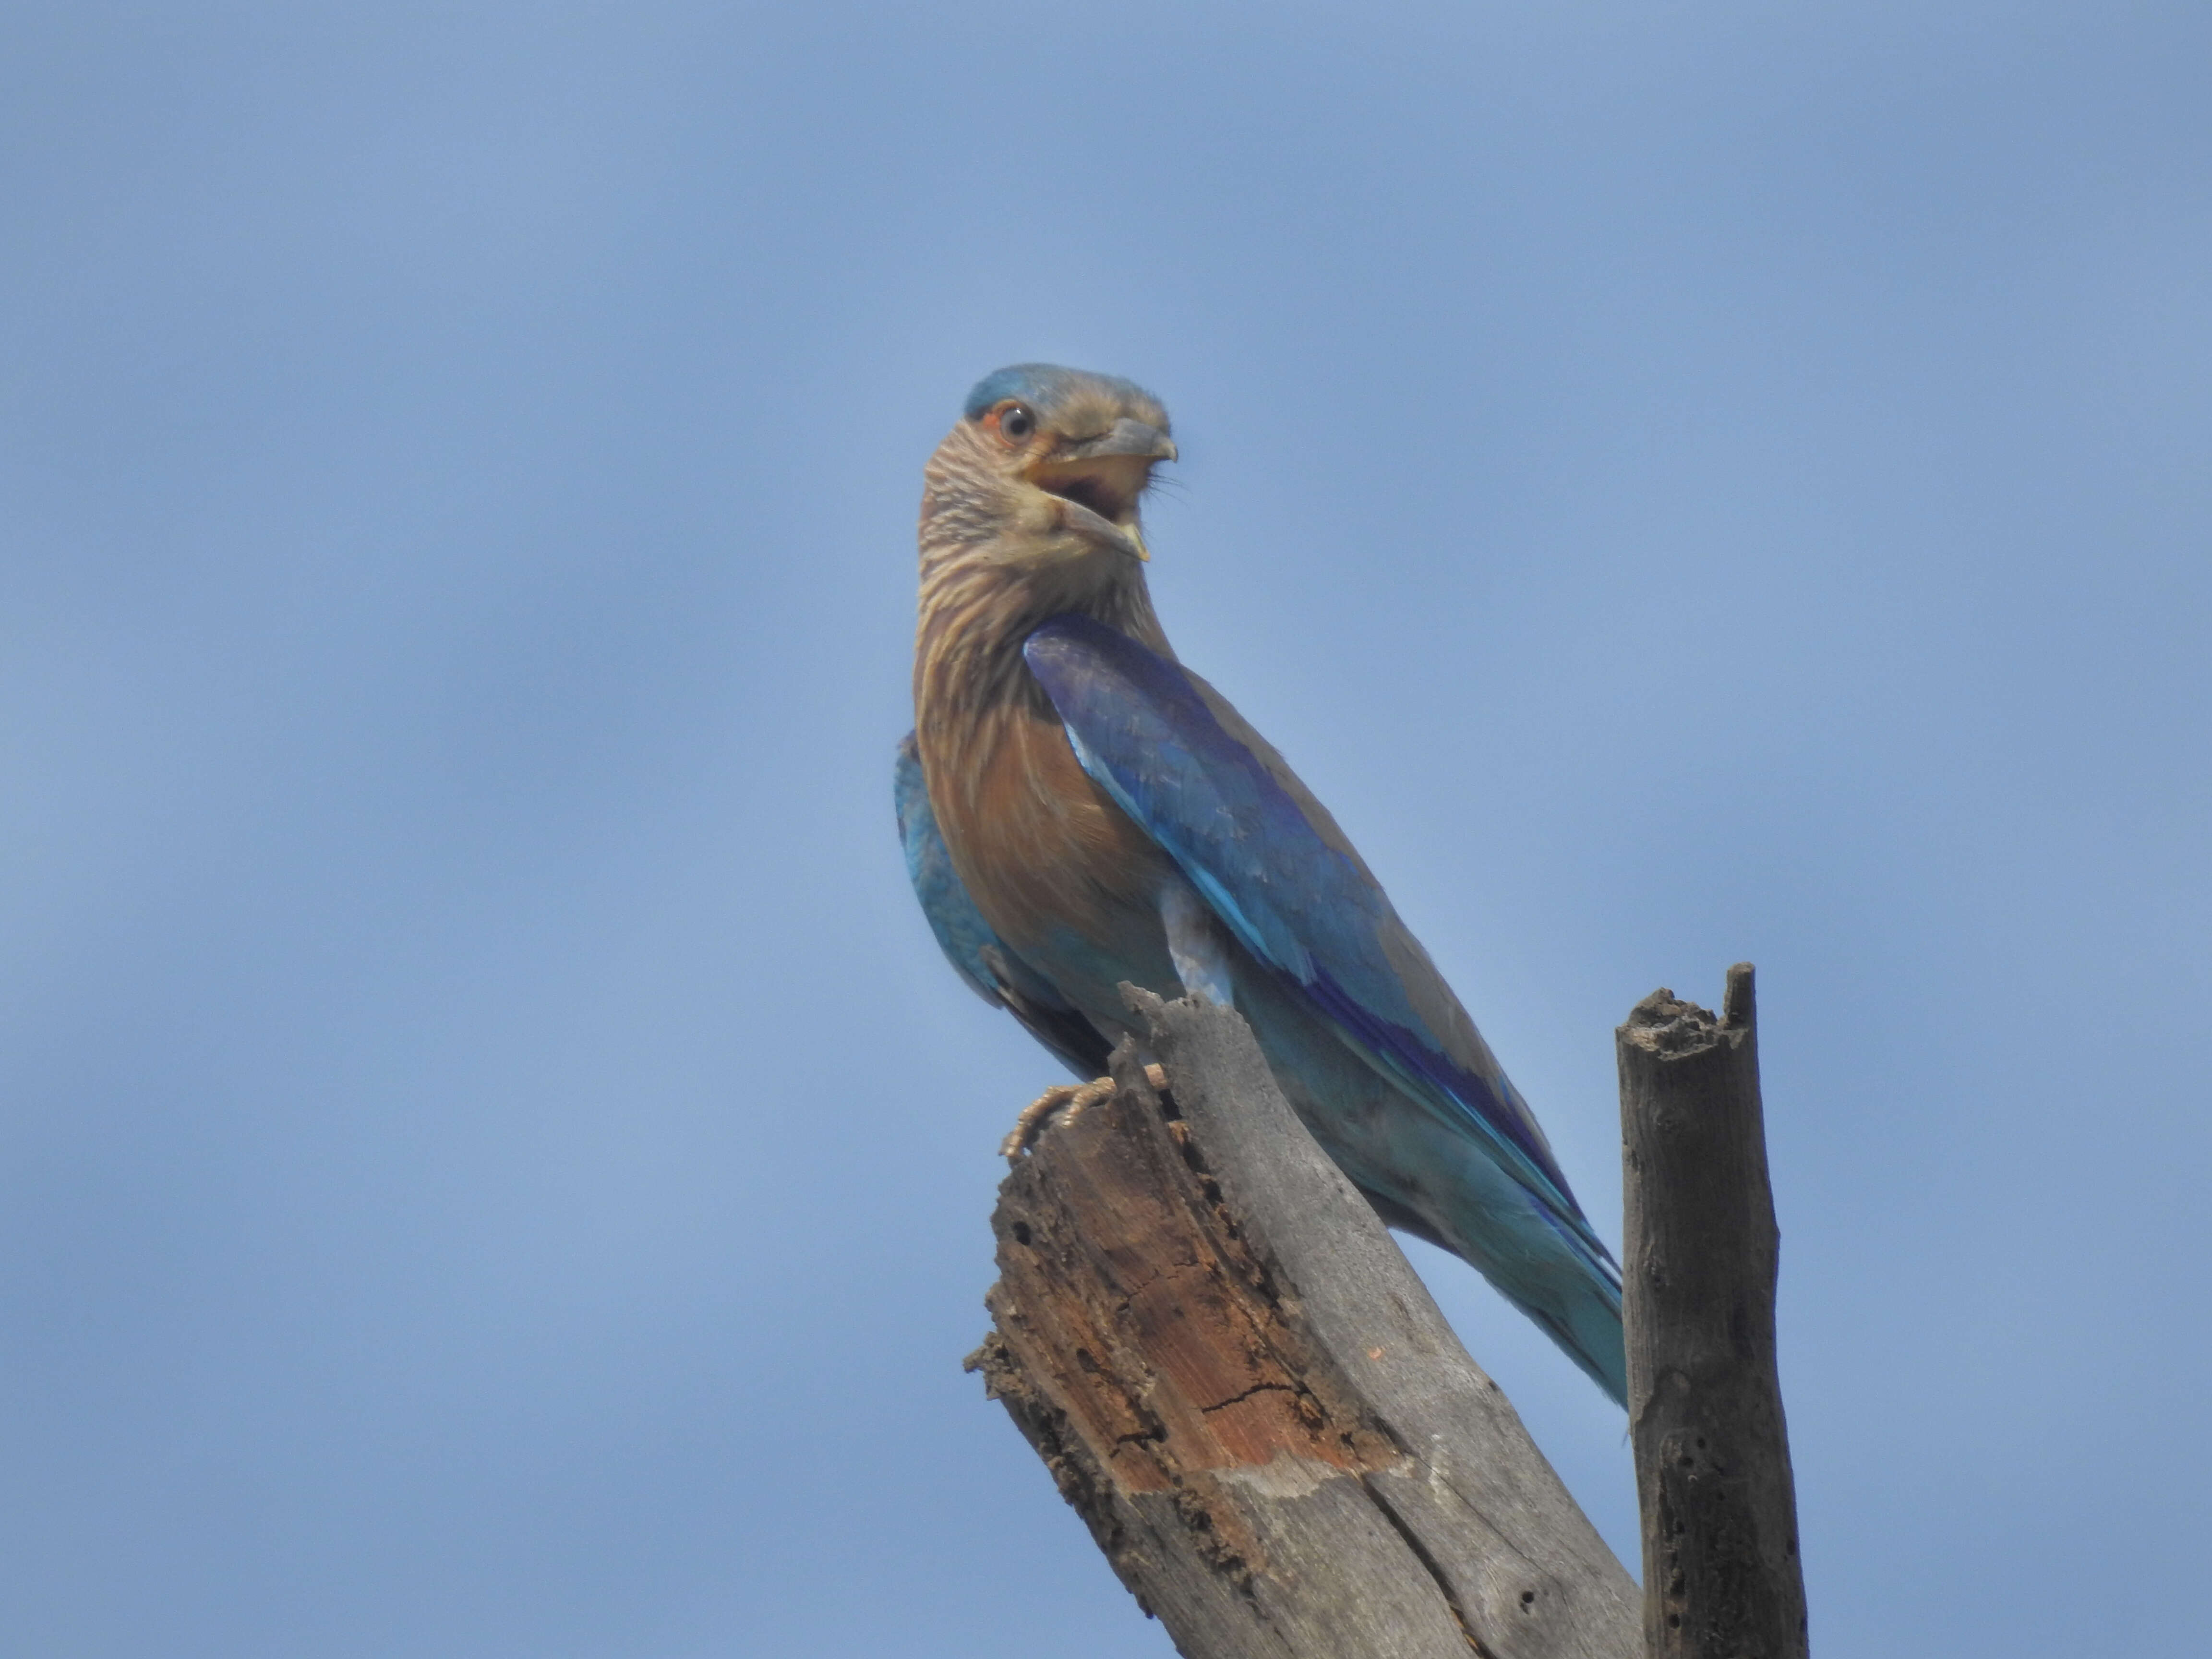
(1279, 873)
(977, 954)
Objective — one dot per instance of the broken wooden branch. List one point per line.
(1721, 1572)
(1243, 1387)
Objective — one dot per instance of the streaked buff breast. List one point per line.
(1040, 846)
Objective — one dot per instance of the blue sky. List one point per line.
(491, 1161)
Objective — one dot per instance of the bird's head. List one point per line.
(1047, 466)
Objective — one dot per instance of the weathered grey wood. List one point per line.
(1722, 1579)
(1239, 1382)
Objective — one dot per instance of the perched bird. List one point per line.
(1079, 810)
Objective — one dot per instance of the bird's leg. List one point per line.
(1196, 944)
(1068, 1097)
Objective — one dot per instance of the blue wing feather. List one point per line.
(1272, 864)
(976, 953)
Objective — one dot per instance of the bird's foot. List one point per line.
(1068, 1098)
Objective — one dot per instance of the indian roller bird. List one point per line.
(1078, 810)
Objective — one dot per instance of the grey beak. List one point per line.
(1125, 437)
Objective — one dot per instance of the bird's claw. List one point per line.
(1069, 1098)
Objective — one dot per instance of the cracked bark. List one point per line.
(1721, 1572)
(1237, 1380)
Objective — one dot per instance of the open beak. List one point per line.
(1104, 475)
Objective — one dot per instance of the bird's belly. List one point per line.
(1060, 872)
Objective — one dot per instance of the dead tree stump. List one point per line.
(1722, 1579)
(1243, 1387)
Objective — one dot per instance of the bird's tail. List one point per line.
(1583, 1315)
(1554, 1273)
(1573, 1295)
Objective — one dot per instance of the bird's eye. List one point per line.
(1016, 423)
